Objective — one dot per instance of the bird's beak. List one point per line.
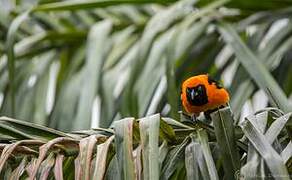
(193, 94)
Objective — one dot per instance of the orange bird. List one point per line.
(202, 94)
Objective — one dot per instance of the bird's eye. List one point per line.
(197, 96)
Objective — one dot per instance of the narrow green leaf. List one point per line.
(242, 93)
(125, 37)
(62, 116)
(254, 161)
(224, 130)
(203, 140)
(163, 150)
(40, 103)
(12, 133)
(157, 96)
(203, 168)
(275, 42)
(251, 168)
(286, 154)
(149, 133)
(101, 156)
(11, 35)
(30, 130)
(166, 132)
(124, 147)
(172, 160)
(191, 163)
(276, 127)
(88, 4)
(113, 172)
(176, 123)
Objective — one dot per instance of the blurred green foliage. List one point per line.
(61, 61)
(72, 65)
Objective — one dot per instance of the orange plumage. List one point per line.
(201, 93)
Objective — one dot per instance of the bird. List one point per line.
(201, 93)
